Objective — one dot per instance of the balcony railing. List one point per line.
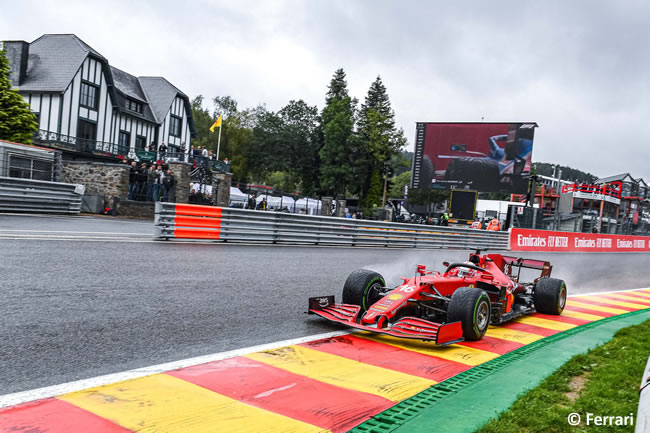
(68, 142)
(94, 147)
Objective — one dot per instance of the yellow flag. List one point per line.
(217, 124)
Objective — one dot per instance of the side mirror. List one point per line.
(445, 264)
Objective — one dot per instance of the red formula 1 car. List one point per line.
(455, 305)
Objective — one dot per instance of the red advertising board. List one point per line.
(543, 240)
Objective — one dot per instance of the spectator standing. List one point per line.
(162, 150)
(157, 183)
(141, 178)
(168, 185)
(205, 152)
(133, 173)
(151, 178)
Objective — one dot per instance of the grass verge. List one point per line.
(604, 382)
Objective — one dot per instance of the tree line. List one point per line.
(346, 149)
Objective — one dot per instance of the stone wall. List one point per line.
(181, 172)
(138, 209)
(221, 183)
(99, 178)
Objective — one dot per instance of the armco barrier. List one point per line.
(542, 240)
(182, 221)
(39, 196)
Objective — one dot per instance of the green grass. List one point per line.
(612, 374)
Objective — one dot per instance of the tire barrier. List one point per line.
(183, 221)
(39, 196)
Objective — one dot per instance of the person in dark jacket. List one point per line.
(168, 185)
(151, 179)
(141, 178)
(133, 180)
(162, 150)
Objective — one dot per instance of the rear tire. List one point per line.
(550, 296)
(362, 288)
(470, 306)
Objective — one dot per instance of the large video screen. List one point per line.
(487, 157)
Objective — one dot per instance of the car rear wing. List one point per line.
(520, 262)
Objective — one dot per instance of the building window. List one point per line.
(134, 106)
(140, 142)
(175, 126)
(124, 140)
(87, 130)
(89, 96)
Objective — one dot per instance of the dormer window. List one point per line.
(134, 106)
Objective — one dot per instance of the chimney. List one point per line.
(18, 54)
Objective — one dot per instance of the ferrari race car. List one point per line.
(455, 305)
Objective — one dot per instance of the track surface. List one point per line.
(82, 297)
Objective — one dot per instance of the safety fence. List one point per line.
(37, 196)
(182, 221)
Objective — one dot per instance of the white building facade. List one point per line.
(85, 105)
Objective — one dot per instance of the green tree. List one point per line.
(300, 141)
(380, 141)
(17, 122)
(375, 191)
(337, 152)
(398, 184)
(202, 122)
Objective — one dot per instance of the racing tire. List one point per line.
(470, 306)
(550, 296)
(478, 171)
(362, 287)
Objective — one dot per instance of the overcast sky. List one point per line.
(580, 69)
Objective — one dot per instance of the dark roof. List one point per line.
(127, 84)
(161, 93)
(617, 177)
(53, 62)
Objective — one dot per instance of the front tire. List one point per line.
(550, 296)
(470, 306)
(363, 288)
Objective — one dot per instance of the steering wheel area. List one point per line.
(464, 265)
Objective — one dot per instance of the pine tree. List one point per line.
(337, 128)
(379, 140)
(17, 122)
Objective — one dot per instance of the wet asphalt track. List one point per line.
(82, 297)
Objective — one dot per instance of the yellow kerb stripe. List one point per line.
(631, 298)
(162, 403)
(640, 293)
(454, 352)
(545, 323)
(512, 335)
(596, 307)
(343, 372)
(619, 303)
(580, 315)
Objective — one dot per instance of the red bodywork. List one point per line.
(496, 271)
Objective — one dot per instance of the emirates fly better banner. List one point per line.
(542, 240)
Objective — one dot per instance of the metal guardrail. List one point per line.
(38, 196)
(183, 221)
